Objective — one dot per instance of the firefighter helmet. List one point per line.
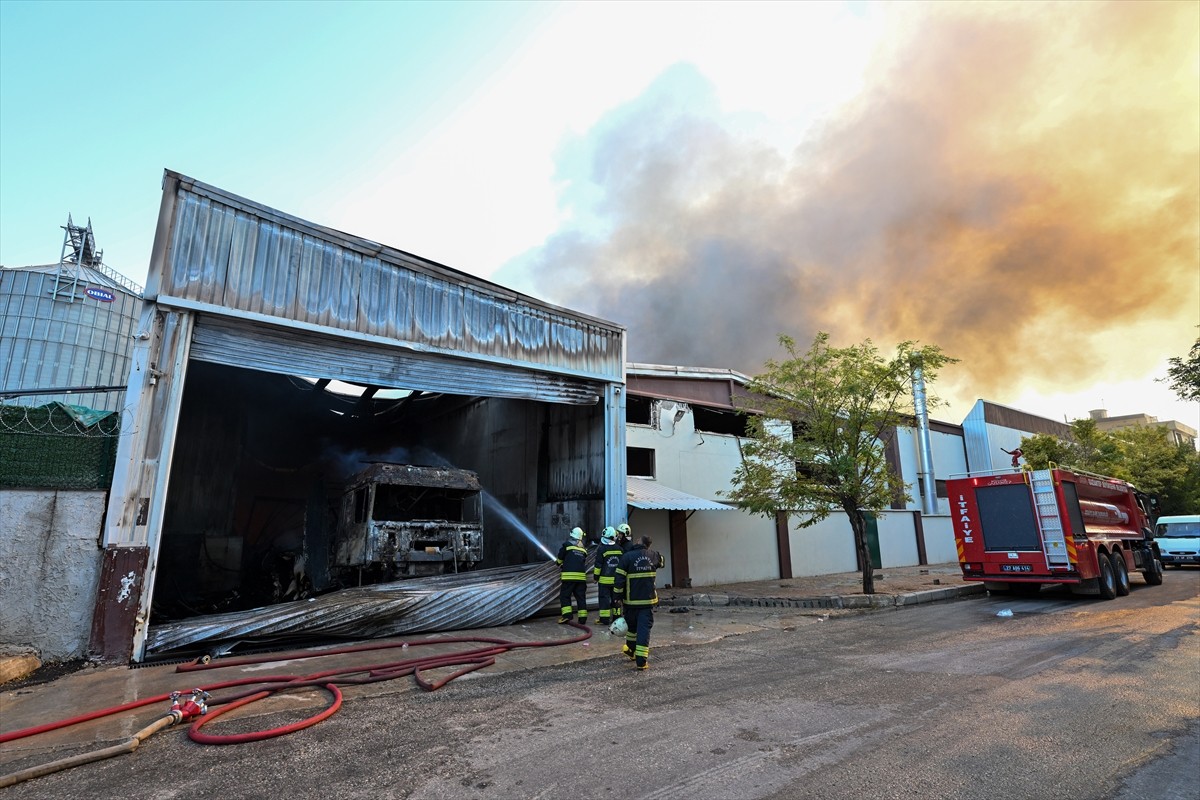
(577, 534)
(609, 536)
(619, 627)
(624, 528)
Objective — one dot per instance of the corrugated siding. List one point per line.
(652, 495)
(236, 343)
(48, 343)
(232, 254)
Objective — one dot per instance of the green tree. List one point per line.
(1042, 450)
(1087, 448)
(1184, 374)
(1158, 466)
(815, 437)
(1143, 455)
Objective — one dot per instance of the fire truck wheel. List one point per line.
(1107, 582)
(1154, 573)
(1120, 573)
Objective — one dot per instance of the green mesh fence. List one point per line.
(57, 446)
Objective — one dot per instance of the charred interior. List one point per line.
(281, 488)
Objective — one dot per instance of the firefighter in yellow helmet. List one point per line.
(572, 570)
(604, 573)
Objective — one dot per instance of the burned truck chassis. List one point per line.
(402, 520)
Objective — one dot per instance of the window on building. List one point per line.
(639, 410)
(939, 488)
(639, 462)
(711, 420)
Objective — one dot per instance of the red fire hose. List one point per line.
(329, 680)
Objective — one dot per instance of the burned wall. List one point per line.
(541, 465)
(261, 460)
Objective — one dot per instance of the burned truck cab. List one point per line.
(401, 520)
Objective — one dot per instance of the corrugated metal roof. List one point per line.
(652, 495)
(478, 599)
(227, 255)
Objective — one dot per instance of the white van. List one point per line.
(1178, 539)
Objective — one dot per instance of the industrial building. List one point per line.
(1177, 432)
(684, 432)
(237, 449)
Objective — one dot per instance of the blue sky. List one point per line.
(709, 174)
(280, 102)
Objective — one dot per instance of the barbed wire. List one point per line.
(56, 420)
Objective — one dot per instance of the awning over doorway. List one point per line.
(652, 495)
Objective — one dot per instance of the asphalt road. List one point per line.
(1068, 697)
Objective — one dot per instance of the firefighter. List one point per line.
(624, 534)
(572, 569)
(634, 590)
(607, 556)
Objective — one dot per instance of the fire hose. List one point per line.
(202, 709)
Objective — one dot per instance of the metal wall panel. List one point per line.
(288, 352)
(52, 343)
(229, 253)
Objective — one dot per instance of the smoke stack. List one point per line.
(925, 454)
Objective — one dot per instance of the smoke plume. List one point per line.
(1019, 184)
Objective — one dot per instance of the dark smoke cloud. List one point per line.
(1015, 184)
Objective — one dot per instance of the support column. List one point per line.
(138, 496)
(919, 530)
(680, 571)
(783, 544)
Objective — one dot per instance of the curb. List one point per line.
(831, 601)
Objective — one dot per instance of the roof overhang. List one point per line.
(652, 495)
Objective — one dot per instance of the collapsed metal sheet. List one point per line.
(479, 599)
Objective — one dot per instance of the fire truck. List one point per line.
(1017, 531)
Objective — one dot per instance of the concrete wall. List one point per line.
(823, 548)
(949, 458)
(733, 546)
(939, 540)
(828, 546)
(49, 569)
(897, 539)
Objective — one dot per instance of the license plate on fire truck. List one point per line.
(1016, 568)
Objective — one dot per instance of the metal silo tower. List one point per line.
(66, 329)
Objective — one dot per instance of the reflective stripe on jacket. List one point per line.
(635, 576)
(571, 558)
(606, 564)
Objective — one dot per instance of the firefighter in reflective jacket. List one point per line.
(624, 535)
(604, 573)
(572, 569)
(634, 590)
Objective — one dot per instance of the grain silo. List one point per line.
(66, 328)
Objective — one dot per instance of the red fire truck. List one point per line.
(1018, 530)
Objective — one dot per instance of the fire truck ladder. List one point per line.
(1045, 506)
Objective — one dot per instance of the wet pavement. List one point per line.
(691, 616)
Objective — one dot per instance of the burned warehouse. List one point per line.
(309, 411)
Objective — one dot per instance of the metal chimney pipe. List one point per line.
(925, 450)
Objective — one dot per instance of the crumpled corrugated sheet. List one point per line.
(478, 599)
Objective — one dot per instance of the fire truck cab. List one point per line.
(1020, 530)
